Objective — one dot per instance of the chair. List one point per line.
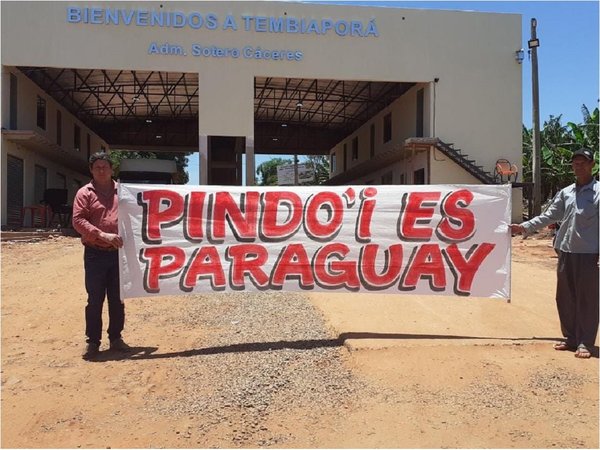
(56, 199)
(504, 169)
(39, 215)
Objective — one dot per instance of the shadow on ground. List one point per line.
(149, 352)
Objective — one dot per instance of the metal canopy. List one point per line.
(137, 109)
(310, 116)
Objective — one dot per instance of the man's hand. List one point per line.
(516, 228)
(112, 239)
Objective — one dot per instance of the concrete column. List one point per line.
(250, 164)
(203, 159)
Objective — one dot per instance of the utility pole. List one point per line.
(296, 170)
(536, 168)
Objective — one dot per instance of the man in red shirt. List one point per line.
(95, 218)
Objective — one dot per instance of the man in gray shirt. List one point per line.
(576, 207)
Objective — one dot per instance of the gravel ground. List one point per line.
(265, 354)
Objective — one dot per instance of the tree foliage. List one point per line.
(267, 171)
(320, 164)
(558, 142)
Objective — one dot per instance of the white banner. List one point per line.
(433, 239)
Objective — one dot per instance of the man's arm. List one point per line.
(554, 213)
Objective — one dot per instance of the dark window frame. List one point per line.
(58, 127)
(14, 102)
(355, 148)
(88, 141)
(76, 138)
(372, 141)
(41, 111)
(387, 128)
(420, 113)
(38, 191)
(345, 162)
(387, 178)
(62, 177)
(419, 172)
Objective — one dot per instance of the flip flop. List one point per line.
(582, 352)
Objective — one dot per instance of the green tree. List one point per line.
(267, 171)
(180, 158)
(320, 165)
(586, 133)
(557, 144)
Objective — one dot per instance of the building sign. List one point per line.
(443, 240)
(228, 23)
(210, 21)
(286, 175)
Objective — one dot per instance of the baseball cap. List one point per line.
(586, 152)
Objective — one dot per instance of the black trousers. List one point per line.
(577, 297)
(102, 280)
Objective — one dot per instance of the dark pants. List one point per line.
(102, 279)
(577, 297)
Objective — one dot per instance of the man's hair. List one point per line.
(102, 156)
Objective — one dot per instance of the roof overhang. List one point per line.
(152, 109)
(39, 143)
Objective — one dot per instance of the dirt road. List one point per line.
(288, 370)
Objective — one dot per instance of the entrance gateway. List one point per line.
(232, 80)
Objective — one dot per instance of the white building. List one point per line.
(390, 94)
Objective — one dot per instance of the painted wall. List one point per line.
(476, 103)
(404, 123)
(478, 96)
(27, 93)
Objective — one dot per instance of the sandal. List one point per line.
(582, 352)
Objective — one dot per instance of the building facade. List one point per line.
(392, 96)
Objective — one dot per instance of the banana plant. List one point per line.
(558, 142)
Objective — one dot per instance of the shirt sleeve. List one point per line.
(554, 213)
(81, 215)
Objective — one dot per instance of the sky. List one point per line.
(568, 62)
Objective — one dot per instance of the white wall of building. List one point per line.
(475, 104)
(27, 94)
(478, 96)
(404, 123)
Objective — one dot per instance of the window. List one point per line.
(41, 113)
(74, 188)
(13, 102)
(419, 176)
(387, 128)
(402, 179)
(61, 180)
(332, 163)
(355, 148)
(372, 141)
(387, 178)
(77, 138)
(14, 195)
(420, 113)
(58, 127)
(345, 162)
(103, 149)
(88, 143)
(40, 179)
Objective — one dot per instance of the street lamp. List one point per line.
(520, 55)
